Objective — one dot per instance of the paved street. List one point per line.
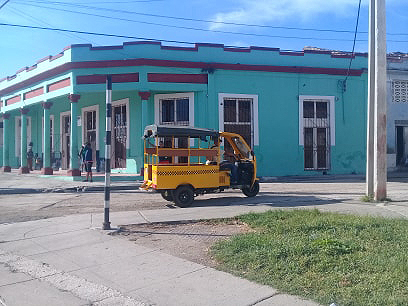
(66, 260)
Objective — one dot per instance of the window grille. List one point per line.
(174, 111)
(316, 133)
(238, 118)
(400, 91)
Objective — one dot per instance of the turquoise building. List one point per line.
(302, 112)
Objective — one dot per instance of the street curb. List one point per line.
(5, 191)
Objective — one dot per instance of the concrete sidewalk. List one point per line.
(66, 259)
(14, 183)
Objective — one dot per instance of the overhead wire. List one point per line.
(42, 22)
(76, 4)
(196, 29)
(354, 42)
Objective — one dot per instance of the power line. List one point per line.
(41, 22)
(188, 19)
(117, 35)
(197, 29)
(94, 33)
(108, 35)
(4, 4)
(354, 43)
(179, 18)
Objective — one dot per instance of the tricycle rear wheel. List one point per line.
(167, 195)
(184, 196)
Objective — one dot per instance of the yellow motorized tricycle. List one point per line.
(182, 162)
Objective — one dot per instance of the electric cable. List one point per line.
(354, 43)
(198, 29)
(188, 19)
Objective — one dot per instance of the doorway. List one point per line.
(90, 130)
(402, 145)
(65, 141)
(119, 134)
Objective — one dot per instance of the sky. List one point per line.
(284, 24)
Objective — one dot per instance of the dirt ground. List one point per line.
(188, 240)
(26, 207)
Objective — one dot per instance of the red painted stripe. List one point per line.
(169, 63)
(291, 53)
(246, 50)
(177, 78)
(34, 93)
(125, 77)
(58, 85)
(101, 78)
(13, 100)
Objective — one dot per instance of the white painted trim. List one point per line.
(53, 132)
(332, 118)
(42, 132)
(117, 103)
(63, 114)
(1, 134)
(255, 115)
(17, 144)
(189, 95)
(90, 109)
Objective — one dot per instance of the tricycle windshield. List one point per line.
(243, 149)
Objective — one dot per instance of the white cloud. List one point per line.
(264, 11)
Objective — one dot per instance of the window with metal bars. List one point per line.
(316, 133)
(238, 118)
(174, 111)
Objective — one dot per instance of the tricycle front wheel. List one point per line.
(251, 191)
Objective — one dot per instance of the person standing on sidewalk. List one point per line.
(30, 156)
(81, 156)
(88, 161)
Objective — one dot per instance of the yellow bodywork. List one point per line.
(162, 171)
(164, 176)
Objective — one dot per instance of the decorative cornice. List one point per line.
(46, 105)
(24, 111)
(64, 68)
(144, 95)
(74, 98)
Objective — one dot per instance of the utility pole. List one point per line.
(106, 222)
(370, 104)
(377, 115)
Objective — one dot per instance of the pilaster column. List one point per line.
(23, 150)
(47, 170)
(74, 166)
(6, 150)
(144, 95)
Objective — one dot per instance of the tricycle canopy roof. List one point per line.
(178, 131)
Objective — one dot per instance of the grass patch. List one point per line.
(367, 198)
(349, 260)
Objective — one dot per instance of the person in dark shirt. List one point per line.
(88, 161)
(30, 156)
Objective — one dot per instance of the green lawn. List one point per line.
(326, 257)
